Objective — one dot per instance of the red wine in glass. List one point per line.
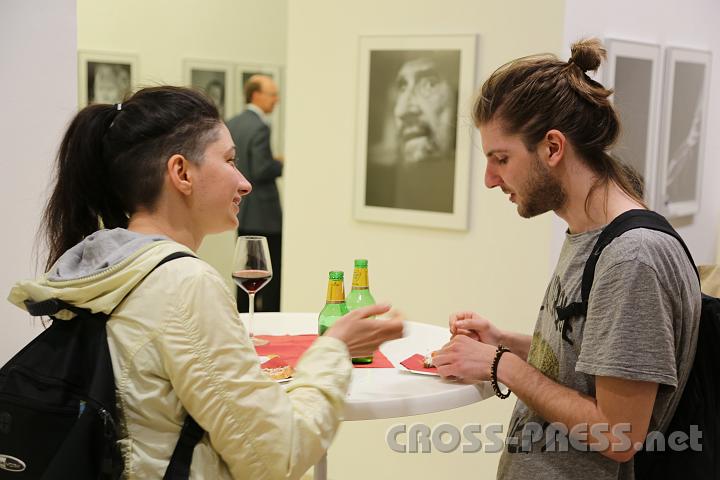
(252, 270)
(252, 280)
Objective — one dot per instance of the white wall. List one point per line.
(37, 98)
(498, 267)
(667, 23)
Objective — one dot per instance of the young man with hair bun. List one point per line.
(617, 372)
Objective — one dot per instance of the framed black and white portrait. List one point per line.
(683, 127)
(413, 152)
(634, 72)
(243, 73)
(214, 79)
(105, 77)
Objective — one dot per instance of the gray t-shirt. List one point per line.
(642, 323)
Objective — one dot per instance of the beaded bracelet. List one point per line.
(493, 372)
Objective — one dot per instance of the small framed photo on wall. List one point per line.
(683, 130)
(412, 148)
(105, 77)
(214, 79)
(634, 72)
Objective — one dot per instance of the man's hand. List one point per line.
(477, 327)
(465, 360)
(472, 325)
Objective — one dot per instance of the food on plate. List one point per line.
(415, 363)
(277, 368)
(428, 360)
(279, 373)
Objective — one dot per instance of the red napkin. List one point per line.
(287, 347)
(291, 347)
(415, 363)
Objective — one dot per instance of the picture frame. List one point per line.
(634, 72)
(683, 130)
(215, 79)
(243, 72)
(105, 77)
(412, 145)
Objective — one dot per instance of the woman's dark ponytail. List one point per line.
(80, 199)
(111, 161)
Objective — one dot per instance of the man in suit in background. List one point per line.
(260, 212)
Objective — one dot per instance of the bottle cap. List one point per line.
(361, 263)
(336, 275)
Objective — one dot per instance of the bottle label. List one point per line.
(335, 291)
(360, 278)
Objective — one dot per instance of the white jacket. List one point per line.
(178, 346)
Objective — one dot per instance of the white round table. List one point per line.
(386, 392)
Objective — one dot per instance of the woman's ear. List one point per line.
(178, 168)
(555, 143)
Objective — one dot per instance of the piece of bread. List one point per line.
(277, 368)
(279, 373)
(428, 360)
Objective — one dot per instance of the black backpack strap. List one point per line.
(191, 433)
(629, 220)
(49, 307)
(168, 258)
(624, 222)
(179, 466)
(171, 257)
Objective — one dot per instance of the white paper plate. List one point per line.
(403, 368)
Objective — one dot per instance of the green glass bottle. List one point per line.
(335, 306)
(360, 296)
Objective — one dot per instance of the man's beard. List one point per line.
(543, 192)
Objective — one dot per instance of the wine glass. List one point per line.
(251, 271)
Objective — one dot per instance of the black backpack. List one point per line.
(57, 403)
(700, 400)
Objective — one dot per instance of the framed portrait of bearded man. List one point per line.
(414, 130)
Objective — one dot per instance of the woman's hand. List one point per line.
(362, 334)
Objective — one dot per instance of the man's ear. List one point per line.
(178, 168)
(555, 143)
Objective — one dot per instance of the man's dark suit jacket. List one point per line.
(260, 211)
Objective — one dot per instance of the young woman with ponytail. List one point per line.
(135, 182)
(615, 373)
